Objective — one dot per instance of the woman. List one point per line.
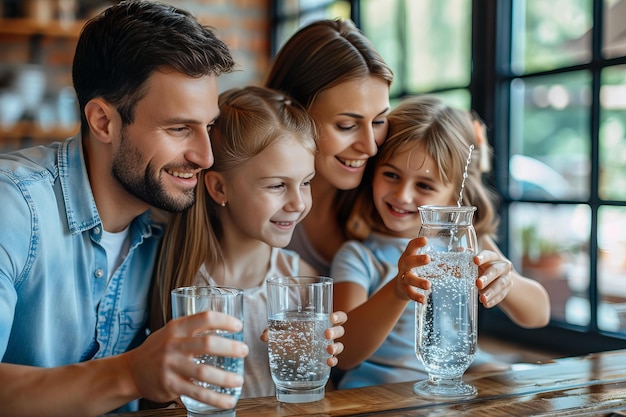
(333, 70)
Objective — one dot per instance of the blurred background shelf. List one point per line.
(28, 133)
(37, 43)
(32, 27)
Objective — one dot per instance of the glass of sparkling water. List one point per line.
(187, 301)
(298, 310)
(446, 331)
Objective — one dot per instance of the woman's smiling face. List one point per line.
(352, 122)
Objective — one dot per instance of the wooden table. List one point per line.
(591, 385)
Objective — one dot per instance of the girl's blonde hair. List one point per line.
(446, 134)
(251, 119)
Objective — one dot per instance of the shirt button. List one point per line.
(96, 230)
(99, 273)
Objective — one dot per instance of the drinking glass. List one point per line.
(446, 324)
(298, 310)
(191, 300)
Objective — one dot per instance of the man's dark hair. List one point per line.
(118, 51)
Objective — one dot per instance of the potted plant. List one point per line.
(542, 257)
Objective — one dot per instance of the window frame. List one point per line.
(558, 336)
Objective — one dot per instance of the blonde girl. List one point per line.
(421, 163)
(248, 204)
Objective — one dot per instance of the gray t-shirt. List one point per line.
(301, 244)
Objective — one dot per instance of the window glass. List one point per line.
(288, 7)
(379, 22)
(285, 30)
(612, 181)
(549, 244)
(289, 25)
(552, 113)
(426, 43)
(550, 34)
(612, 267)
(614, 41)
(439, 44)
(549, 137)
(295, 7)
(460, 98)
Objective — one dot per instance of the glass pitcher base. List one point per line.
(450, 389)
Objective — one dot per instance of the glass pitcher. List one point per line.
(446, 332)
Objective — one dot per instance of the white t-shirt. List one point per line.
(116, 246)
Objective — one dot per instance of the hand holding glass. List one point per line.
(187, 301)
(299, 310)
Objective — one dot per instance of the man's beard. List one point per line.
(127, 164)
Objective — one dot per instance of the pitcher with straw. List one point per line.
(446, 332)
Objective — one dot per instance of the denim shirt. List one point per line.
(56, 306)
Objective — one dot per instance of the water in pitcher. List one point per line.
(446, 325)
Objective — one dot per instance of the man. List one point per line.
(77, 242)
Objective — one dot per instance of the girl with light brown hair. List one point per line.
(421, 163)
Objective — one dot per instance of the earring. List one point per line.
(223, 203)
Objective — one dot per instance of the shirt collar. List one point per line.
(82, 213)
(80, 206)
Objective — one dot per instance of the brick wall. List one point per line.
(244, 26)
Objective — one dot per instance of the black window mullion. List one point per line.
(596, 72)
(355, 12)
